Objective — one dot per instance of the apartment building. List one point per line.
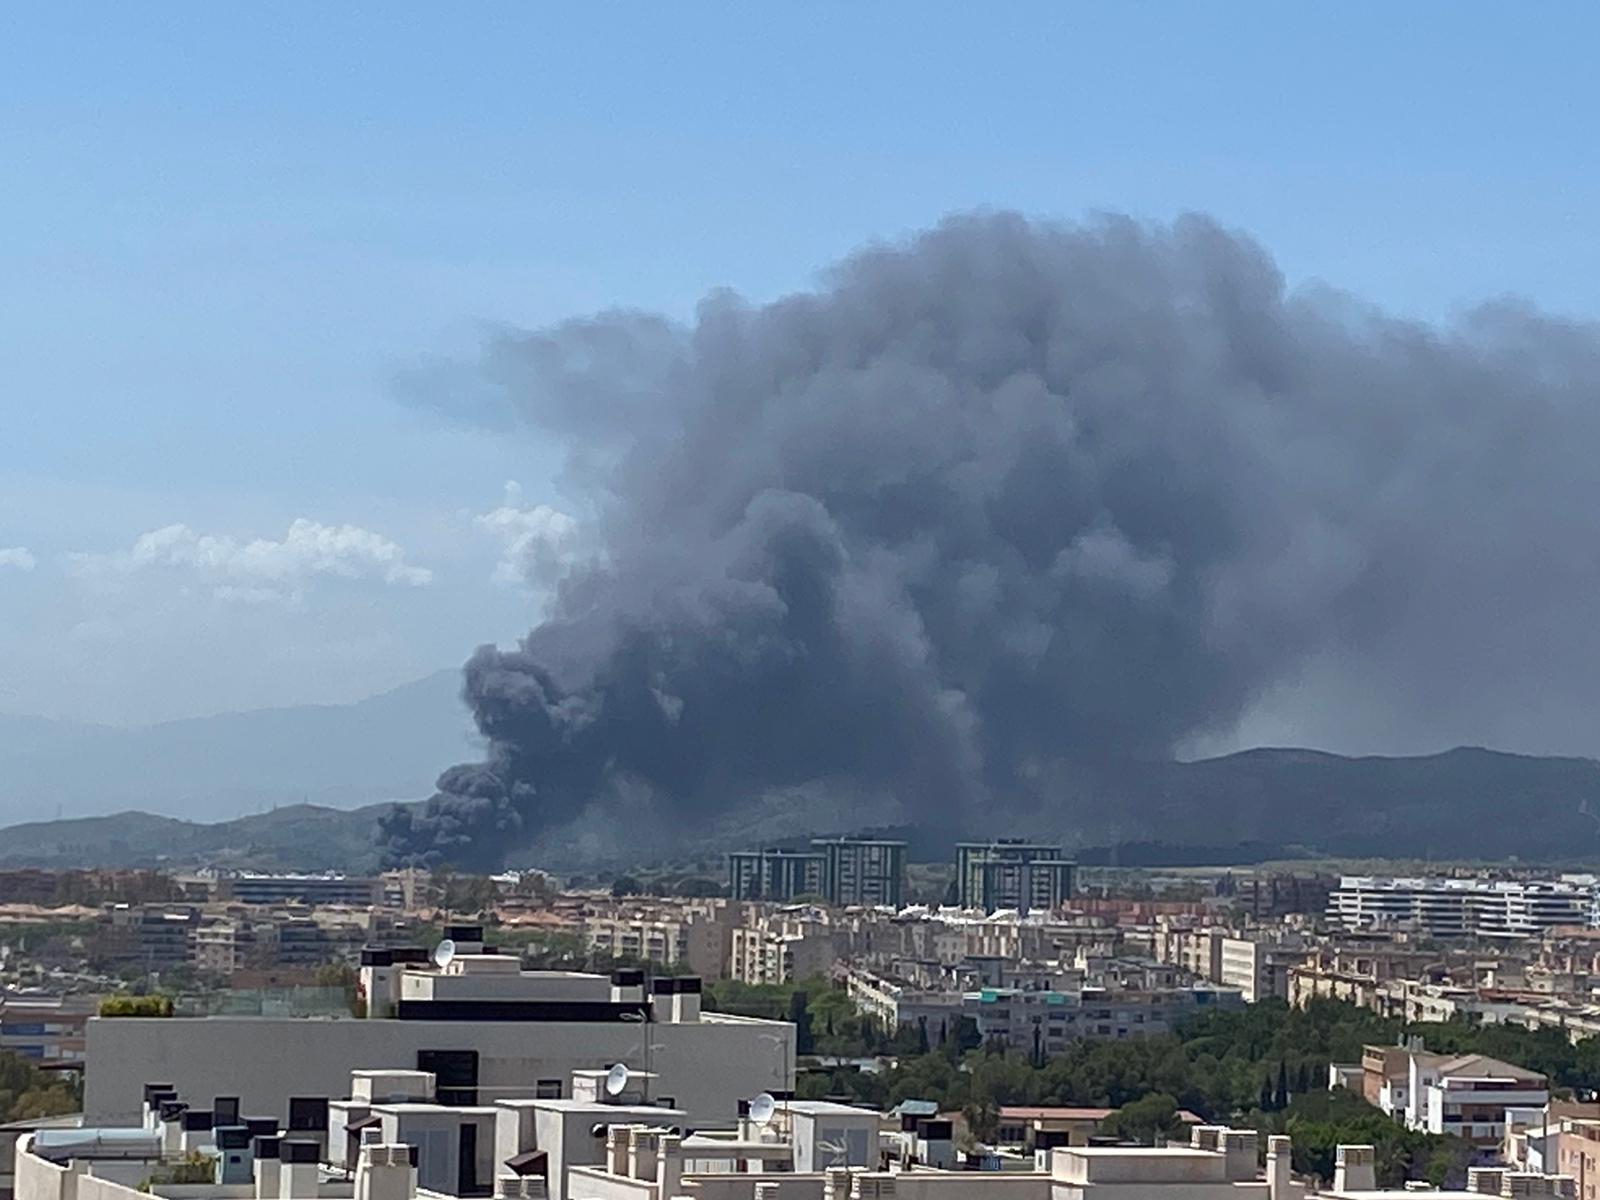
(696, 937)
(46, 1030)
(767, 954)
(1460, 908)
(843, 871)
(150, 937)
(777, 875)
(1257, 966)
(1356, 969)
(1013, 874)
(894, 1003)
(250, 887)
(390, 1134)
(864, 871)
(1042, 1023)
(481, 1024)
(1468, 1096)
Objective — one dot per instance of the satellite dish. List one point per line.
(762, 1109)
(444, 954)
(617, 1079)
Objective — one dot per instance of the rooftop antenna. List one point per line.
(444, 954)
(617, 1079)
(762, 1109)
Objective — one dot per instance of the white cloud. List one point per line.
(537, 545)
(19, 557)
(262, 570)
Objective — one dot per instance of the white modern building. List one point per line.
(571, 1150)
(1450, 907)
(486, 1029)
(1468, 1096)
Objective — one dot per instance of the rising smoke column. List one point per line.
(1000, 505)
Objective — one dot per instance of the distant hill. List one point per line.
(388, 747)
(1463, 804)
(300, 837)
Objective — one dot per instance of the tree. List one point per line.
(696, 886)
(922, 1035)
(1144, 1120)
(625, 885)
(27, 1092)
(1280, 1098)
(1266, 1094)
(800, 1015)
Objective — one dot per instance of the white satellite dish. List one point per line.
(763, 1108)
(617, 1079)
(444, 954)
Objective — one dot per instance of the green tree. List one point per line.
(800, 1015)
(1145, 1120)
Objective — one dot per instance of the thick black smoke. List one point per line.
(1007, 503)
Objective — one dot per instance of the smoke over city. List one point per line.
(1001, 506)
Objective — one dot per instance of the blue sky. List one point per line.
(226, 228)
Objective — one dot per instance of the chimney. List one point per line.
(627, 987)
(642, 1154)
(1205, 1137)
(1279, 1160)
(298, 1175)
(468, 938)
(676, 1000)
(267, 1167)
(1518, 1183)
(197, 1125)
(619, 1138)
(308, 1120)
(669, 1164)
(1355, 1169)
(155, 1096)
(836, 1183)
(872, 1185)
(235, 1162)
(171, 1113)
(1486, 1181)
(385, 1173)
(1239, 1147)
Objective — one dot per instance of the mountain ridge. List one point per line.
(1464, 803)
(390, 746)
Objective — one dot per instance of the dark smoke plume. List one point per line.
(1001, 506)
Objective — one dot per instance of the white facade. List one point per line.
(1448, 907)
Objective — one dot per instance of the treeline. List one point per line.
(1265, 1066)
(27, 1092)
(827, 1022)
